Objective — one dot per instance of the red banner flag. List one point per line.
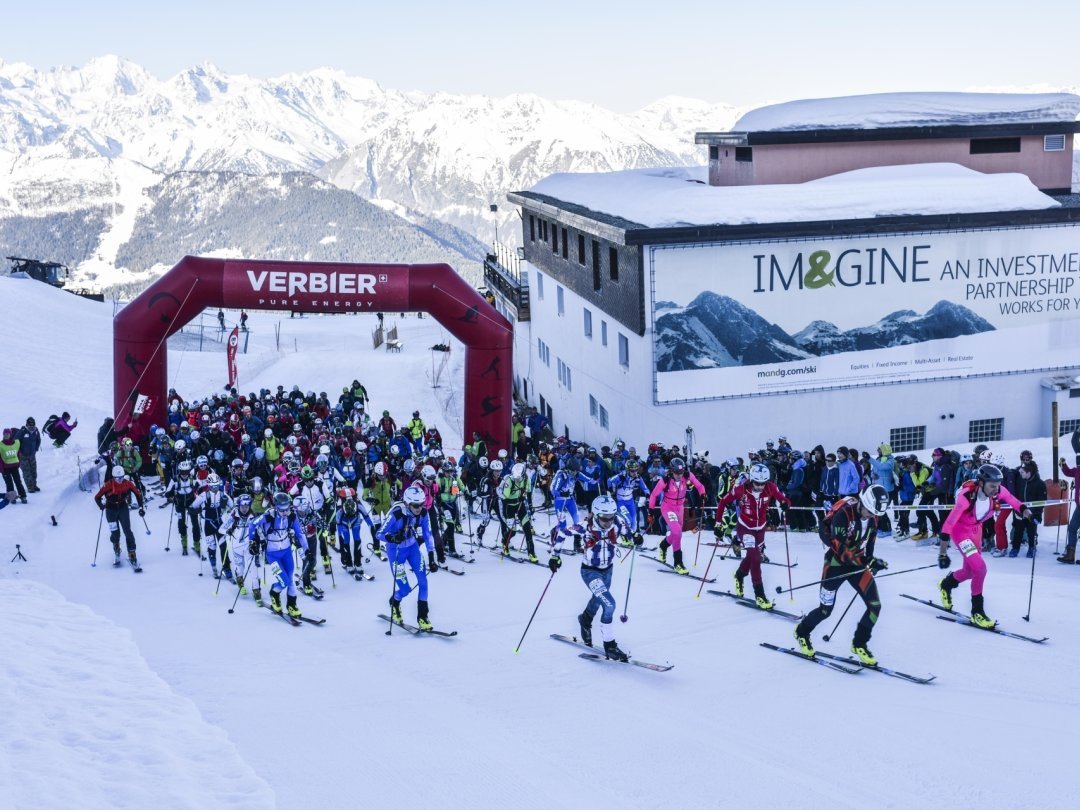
(234, 339)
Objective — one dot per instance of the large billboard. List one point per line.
(743, 318)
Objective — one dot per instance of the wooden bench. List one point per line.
(394, 345)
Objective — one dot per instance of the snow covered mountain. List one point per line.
(715, 331)
(80, 149)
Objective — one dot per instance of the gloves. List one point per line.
(253, 548)
(169, 497)
(101, 506)
(638, 539)
(432, 565)
(943, 560)
(555, 563)
(142, 512)
(875, 564)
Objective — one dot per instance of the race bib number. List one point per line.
(672, 517)
(749, 541)
(967, 548)
(827, 597)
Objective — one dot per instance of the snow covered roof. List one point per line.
(679, 197)
(911, 110)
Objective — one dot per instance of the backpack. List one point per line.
(50, 423)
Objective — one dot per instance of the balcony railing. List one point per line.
(505, 277)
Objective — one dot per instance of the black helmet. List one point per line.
(989, 473)
(677, 464)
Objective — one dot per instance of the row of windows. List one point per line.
(544, 352)
(909, 439)
(598, 412)
(1068, 426)
(551, 232)
(564, 375)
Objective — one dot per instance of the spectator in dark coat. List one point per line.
(29, 443)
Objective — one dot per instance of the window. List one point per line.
(543, 229)
(603, 417)
(554, 239)
(539, 287)
(1067, 426)
(593, 407)
(560, 303)
(564, 373)
(565, 247)
(744, 154)
(603, 333)
(993, 146)
(581, 249)
(1053, 143)
(907, 439)
(986, 430)
(595, 265)
(613, 263)
(624, 351)
(714, 153)
(588, 323)
(544, 351)
(532, 228)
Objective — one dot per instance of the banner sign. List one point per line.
(142, 403)
(744, 318)
(234, 339)
(314, 287)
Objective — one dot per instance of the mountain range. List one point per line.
(102, 163)
(716, 331)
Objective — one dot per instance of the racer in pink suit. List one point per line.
(977, 501)
(671, 490)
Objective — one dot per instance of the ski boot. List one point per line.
(506, 549)
(258, 596)
(1069, 557)
(422, 615)
(294, 611)
(762, 601)
(308, 589)
(1030, 552)
(803, 640)
(133, 560)
(978, 613)
(275, 601)
(183, 545)
(243, 589)
(326, 564)
(395, 610)
(116, 551)
(533, 558)
(945, 588)
(585, 625)
(661, 552)
(739, 591)
(679, 567)
(228, 574)
(376, 549)
(862, 652)
(613, 653)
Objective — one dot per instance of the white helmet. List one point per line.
(159, 432)
(414, 496)
(268, 433)
(292, 441)
(213, 480)
(502, 455)
(195, 435)
(986, 456)
(324, 450)
(517, 472)
(287, 456)
(496, 466)
(428, 473)
(604, 507)
(361, 447)
(180, 445)
(202, 461)
(395, 450)
(759, 474)
(875, 499)
(483, 462)
(118, 473)
(380, 469)
(409, 466)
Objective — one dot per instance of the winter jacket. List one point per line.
(753, 506)
(9, 454)
(885, 470)
(961, 524)
(29, 441)
(797, 483)
(849, 477)
(1034, 489)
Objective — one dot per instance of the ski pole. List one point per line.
(98, 542)
(221, 576)
(333, 582)
(842, 615)
(518, 647)
(697, 548)
(144, 523)
(787, 551)
(251, 559)
(779, 589)
(626, 603)
(707, 567)
(172, 512)
(1031, 582)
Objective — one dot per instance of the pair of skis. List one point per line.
(962, 618)
(296, 621)
(592, 656)
(852, 666)
(416, 631)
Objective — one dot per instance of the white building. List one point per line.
(921, 303)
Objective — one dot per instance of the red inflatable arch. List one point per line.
(140, 356)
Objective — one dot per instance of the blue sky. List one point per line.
(618, 55)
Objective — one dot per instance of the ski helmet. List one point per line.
(875, 499)
(195, 435)
(604, 508)
(414, 496)
(202, 462)
(345, 493)
(483, 462)
(986, 456)
(180, 446)
(427, 472)
(496, 466)
(118, 473)
(502, 455)
(219, 455)
(409, 466)
(759, 474)
(256, 484)
(395, 450)
(213, 481)
(989, 474)
(324, 450)
(246, 438)
(572, 464)
(517, 472)
(237, 462)
(243, 502)
(361, 447)
(307, 473)
(633, 466)
(448, 468)
(677, 465)
(292, 441)
(184, 467)
(159, 432)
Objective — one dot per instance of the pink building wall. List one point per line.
(797, 163)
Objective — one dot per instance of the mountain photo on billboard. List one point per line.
(715, 331)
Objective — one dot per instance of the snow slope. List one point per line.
(342, 715)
